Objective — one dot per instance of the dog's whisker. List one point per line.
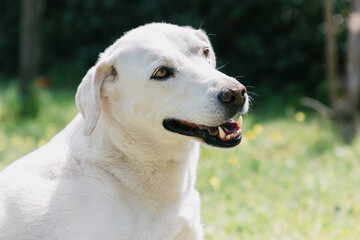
(238, 77)
(201, 24)
(255, 94)
(224, 65)
(251, 99)
(251, 103)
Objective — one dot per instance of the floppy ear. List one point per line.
(88, 96)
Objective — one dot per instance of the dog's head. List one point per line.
(160, 79)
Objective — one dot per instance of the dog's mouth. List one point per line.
(225, 135)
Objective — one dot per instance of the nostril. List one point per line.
(226, 96)
(243, 92)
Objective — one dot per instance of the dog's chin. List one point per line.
(225, 135)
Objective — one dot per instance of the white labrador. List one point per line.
(125, 167)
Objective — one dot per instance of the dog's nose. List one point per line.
(233, 97)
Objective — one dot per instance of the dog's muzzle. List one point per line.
(225, 135)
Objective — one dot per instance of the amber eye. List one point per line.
(206, 52)
(162, 73)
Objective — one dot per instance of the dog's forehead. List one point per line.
(157, 41)
(159, 34)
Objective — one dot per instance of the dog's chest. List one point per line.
(140, 224)
(125, 218)
(167, 223)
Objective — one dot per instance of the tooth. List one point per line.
(221, 133)
(240, 122)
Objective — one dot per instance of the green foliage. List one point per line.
(276, 43)
(19, 136)
(9, 35)
(28, 105)
(291, 177)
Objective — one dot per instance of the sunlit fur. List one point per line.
(114, 172)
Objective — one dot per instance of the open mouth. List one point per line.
(225, 135)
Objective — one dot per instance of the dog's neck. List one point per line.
(155, 172)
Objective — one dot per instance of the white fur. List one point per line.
(114, 172)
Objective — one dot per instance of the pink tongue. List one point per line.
(230, 127)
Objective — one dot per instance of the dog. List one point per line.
(125, 166)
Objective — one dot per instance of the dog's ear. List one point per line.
(88, 96)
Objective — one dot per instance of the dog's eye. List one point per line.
(206, 52)
(162, 73)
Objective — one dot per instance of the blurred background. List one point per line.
(294, 176)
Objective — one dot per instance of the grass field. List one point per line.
(291, 178)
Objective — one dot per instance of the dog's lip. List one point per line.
(227, 134)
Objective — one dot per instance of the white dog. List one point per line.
(125, 167)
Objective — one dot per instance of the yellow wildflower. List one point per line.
(276, 136)
(41, 142)
(2, 146)
(330, 174)
(215, 183)
(251, 134)
(244, 140)
(16, 141)
(233, 161)
(300, 116)
(258, 128)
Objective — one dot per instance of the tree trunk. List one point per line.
(331, 54)
(343, 95)
(30, 52)
(348, 121)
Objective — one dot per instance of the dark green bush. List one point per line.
(278, 44)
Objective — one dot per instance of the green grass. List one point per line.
(20, 136)
(291, 178)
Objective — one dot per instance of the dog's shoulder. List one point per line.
(49, 186)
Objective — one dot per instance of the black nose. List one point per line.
(233, 97)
